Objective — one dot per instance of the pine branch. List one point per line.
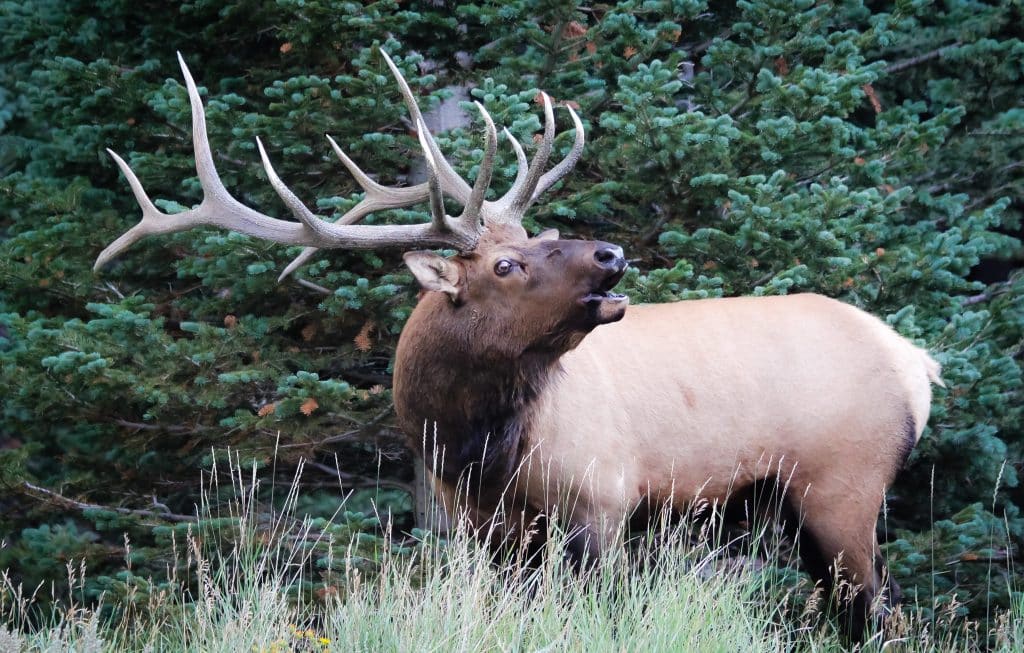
(992, 293)
(348, 480)
(168, 428)
(57, 499)
(652, 233)
(701, 48)
(751, 88)
(920, 59)
(558, 33)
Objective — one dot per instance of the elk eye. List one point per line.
(503, 267)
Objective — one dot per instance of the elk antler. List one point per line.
(530, 185)
(219, 208)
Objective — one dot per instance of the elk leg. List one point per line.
(582, 549)
(838, 543)
(876, 599)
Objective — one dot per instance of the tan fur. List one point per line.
(691, 399)
(696, 399)
(599, 413)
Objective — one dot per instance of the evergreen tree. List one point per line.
(870, 153)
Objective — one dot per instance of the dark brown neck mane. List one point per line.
(470, 400)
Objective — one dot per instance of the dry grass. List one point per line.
(450, 597)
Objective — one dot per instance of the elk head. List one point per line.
(535, 292)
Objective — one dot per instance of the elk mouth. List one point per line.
(604, 305)
(603, 291)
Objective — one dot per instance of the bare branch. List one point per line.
(52, 497)
(356, 481)
(922, 58)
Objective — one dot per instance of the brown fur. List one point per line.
(675, 402)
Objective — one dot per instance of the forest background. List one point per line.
(869, 151)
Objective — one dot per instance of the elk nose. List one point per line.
(610, 257)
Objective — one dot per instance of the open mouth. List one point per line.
(603, 293)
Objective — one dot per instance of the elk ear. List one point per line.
(435, 272)
(547, 234)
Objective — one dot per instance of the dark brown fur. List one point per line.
(471, 361)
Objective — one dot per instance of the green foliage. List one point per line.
(940, 561)
(869, 153)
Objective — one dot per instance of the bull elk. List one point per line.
(503, 374)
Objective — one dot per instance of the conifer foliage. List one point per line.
(866, 151)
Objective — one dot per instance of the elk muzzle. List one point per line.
(603, 305)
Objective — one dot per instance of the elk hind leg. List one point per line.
(839, 549)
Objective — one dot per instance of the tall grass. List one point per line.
(449, 596)
(459, 601)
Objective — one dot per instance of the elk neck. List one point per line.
(467, 395)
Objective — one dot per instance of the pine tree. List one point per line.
(764, 147)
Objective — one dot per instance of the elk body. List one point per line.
(530, 389)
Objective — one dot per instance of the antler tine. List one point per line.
(139, 231)
(522, 163)
(529, 186)
(218, 208)
(565, 165)
(297, 262)
(153, 220)
(294, 204)
(521, 198)
(209, 180)
(450, 181)
(483, 177)
(437, 214)
(376, 198)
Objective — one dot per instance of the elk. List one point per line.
(526, 375)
